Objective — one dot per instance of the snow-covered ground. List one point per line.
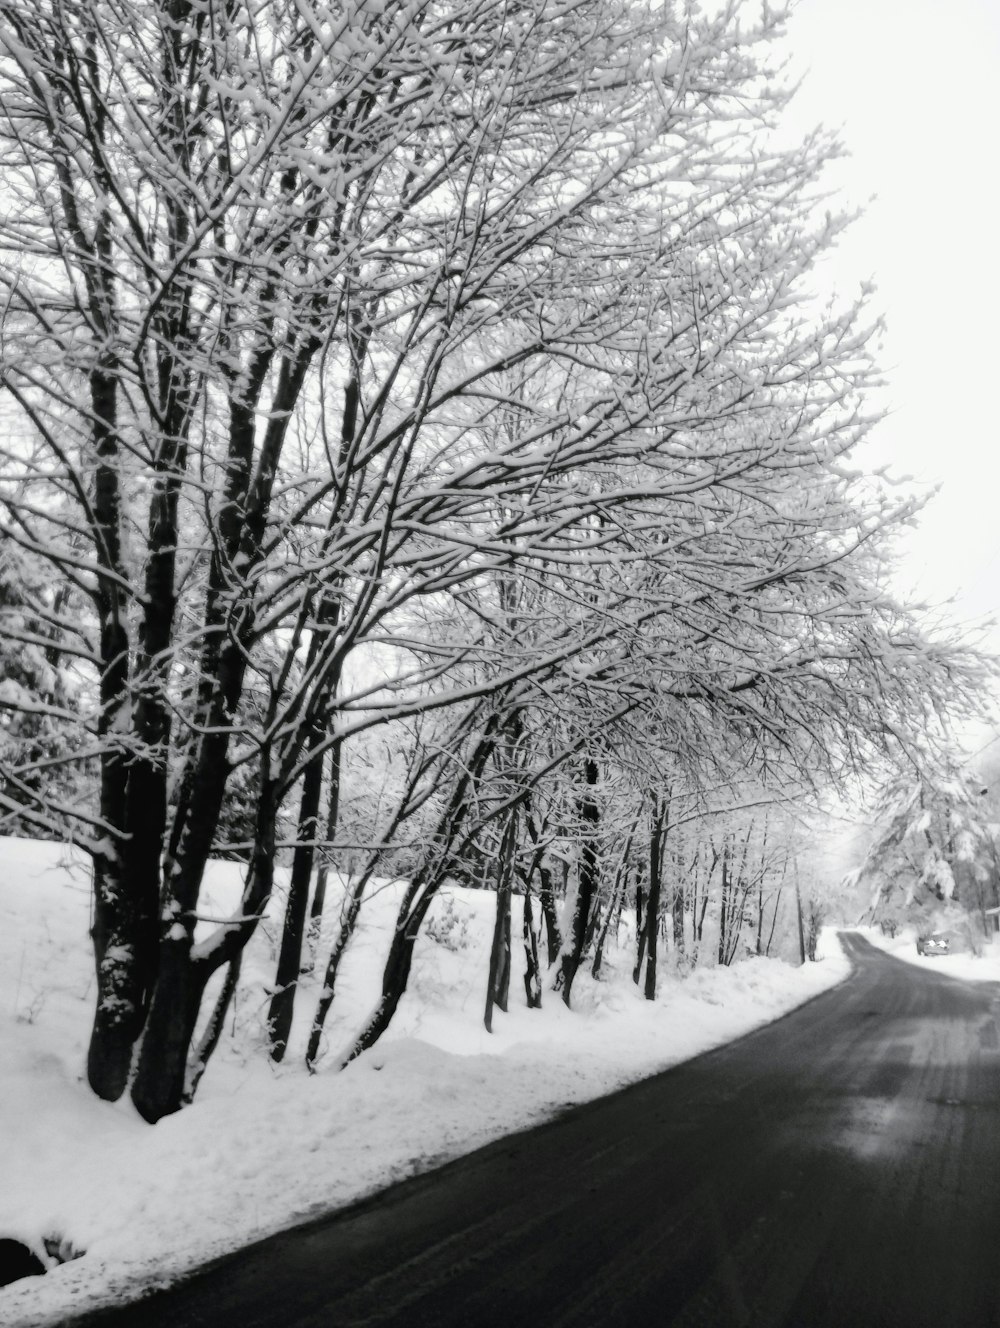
(263, 1146)
(984, 967)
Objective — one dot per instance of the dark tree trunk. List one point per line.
(598, 960)
(640, 931)
(656, 837)
(701, 917)
(322, 876)
(547, 901)
(147, 808)
(282, 1005)
(677, 914)
(724, 906)
(611, 917)
(119, 950)
(739, 887)
(651, 930)
(678, 901)
(120, 987)
(498, 981)
(587, 884)
(532, 972)
(703, 906)
(613, 911)
(798, 909)
(546, 894)
(159, 1083)
(774, 919)
(213, 1029)
(121, 984)
(759, 943)
(348, 922)
(596, 916)
(162, 1070)
(148, 774)
(160, 1080)
(498, 984)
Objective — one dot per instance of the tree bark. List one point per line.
(724, 904)
(282, 1005)
(532, 972)
(162, 1069)
(613, 912)
(774, 919)
(498, 984)
(587, 887)
(550, 915)
(640, 931)
(546, 894)
(198, 1062)
(658, 829)
(322, 876)
(161, 1074)
(798, 910)
(348, 922)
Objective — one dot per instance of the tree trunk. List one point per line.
(546, 894)
(656, 837)
(162, 1070)
(587, 887)
(640, 931)
(120, 982)
(213, 1030)
(677, 910)
(160, 1079)
(532, 972)
(596, 914)
(760, 917)
(293, 931)
(724, 906)
(348, 922)
(120, 949)
(125, 969)
(774, 919)
(547, 901)
(498, 984)
(613, 912)
(322, 876)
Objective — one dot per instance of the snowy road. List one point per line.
(838, 1167)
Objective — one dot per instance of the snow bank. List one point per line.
(984, 967)
(264, 1147)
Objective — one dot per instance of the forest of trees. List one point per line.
(424, 453)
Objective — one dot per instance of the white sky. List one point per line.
(915, 87)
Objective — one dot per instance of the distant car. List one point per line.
(937, 943)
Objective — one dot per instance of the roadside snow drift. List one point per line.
(982, 967)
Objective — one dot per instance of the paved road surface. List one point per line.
(838, 1168)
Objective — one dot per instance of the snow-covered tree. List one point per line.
(319, 321)
(933, 843)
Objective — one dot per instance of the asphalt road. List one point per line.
(840, 1167)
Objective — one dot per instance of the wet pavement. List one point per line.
(840, 1167)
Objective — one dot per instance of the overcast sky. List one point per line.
(914, 85)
